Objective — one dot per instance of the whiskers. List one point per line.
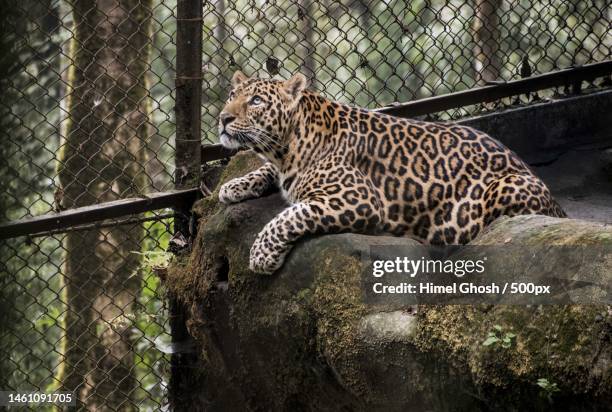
(261, 139)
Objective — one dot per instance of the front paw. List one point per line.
(229, 192)
(264, 260)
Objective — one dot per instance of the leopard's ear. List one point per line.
(296, 84)
(238, 78)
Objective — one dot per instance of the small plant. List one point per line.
(156, 261)
(548, 388)
(498, 337)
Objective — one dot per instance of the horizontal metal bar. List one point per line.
(211, 152)
(497, 91)
(106, 223)
(94, 213)
(460, 99)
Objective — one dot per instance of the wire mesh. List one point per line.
(87, 116)
(87, 334)
(376, 52)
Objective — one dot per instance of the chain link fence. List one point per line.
(87, 116)
(374, 53)
(106, 334)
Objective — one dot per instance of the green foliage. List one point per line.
(151, 319)
(30, 271)
(155, 260)
(498, 337)
(548, 388)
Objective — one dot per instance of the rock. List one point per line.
(304, 339)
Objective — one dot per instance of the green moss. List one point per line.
(194, 278)
(537, 230)
(304, 295)
(337, 303)
(551, 341)
(240, 164)
(206, 207)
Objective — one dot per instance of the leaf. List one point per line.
(490, 341)
(273, 65)
(511, 335)
(543, 383)
(498, 328)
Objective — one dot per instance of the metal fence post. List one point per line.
(188, 165)
(188, 107)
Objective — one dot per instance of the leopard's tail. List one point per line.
(555, 209)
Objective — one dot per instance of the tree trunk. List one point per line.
(218, 67)
(306, 27)
(102, 159)
(486, 33)
(364, 47)
(221, 35)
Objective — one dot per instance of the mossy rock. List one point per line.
(241, 163)
(304, 338)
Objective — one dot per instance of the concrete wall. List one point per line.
(539, 133)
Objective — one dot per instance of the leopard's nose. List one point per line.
(227, 118)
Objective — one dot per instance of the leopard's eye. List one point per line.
(231, 95)
(255, 100)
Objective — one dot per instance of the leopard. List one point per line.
(343, 168)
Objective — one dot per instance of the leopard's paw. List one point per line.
(265, 261)
(231, 192)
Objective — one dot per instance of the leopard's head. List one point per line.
(258, 113)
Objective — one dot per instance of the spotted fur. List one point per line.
(347, 169)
